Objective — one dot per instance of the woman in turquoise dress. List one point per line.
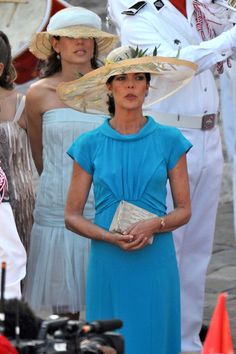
(57, 261)
(130, 157)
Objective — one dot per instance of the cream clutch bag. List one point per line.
(127, 214)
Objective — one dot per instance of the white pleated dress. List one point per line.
(57, 261)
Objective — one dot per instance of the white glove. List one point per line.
(222, 43)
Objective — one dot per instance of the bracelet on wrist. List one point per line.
(162, 223)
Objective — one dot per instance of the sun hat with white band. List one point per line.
(89, 93)
(73, 22)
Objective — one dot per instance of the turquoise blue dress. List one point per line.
(140, 287)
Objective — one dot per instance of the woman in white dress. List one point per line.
(58, 258)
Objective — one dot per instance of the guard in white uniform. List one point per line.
(193, 109)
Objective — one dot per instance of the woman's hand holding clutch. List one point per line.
(140, 234)
(144, 229)
(139, 222)
(128, 242)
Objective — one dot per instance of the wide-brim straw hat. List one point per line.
(73, 22)
(89, 93)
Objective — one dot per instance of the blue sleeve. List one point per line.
(177, 146)
(80, 152)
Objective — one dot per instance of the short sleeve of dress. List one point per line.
(80, 152)
(175, 146)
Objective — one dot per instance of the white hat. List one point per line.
(73, 22)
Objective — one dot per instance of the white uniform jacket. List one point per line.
(170, 31)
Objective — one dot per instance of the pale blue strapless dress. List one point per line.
(57, 260)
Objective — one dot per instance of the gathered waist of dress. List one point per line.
(139, 203)
(106, 211)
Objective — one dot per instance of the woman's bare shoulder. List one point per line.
(43, 95)
(39, 88)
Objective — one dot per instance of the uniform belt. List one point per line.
(205, 122)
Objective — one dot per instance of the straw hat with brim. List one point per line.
(73, 22)
(89, 93)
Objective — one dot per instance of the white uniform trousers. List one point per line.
(12, 252)
(194, 241)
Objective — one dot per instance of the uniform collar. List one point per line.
(189, 7)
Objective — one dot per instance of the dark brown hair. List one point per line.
(9, 72)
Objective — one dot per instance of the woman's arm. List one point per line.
(77, 196)
(33, 104)
(179, 184)
(181, 214)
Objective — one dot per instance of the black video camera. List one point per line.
(58, 334)
(61, 335)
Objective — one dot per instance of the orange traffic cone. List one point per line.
(218, 339)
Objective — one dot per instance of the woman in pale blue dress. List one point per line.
(58, 258)
(130, 157)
